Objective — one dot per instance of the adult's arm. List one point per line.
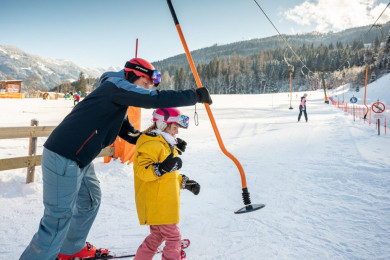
(128, 94)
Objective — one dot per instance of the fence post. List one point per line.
(32, 150)
(369, 121)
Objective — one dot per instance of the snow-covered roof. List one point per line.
(11, 80)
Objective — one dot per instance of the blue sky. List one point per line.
(97, 33)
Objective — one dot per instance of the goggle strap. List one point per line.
(176, 119)
(140, 68)
(163, 118)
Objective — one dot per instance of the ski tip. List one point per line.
(249, 208)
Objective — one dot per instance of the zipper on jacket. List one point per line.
(86, 141)
(146, 213)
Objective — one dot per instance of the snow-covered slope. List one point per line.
(325, 183)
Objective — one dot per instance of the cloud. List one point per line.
(337, 15)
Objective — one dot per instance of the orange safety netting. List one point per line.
(123, 149)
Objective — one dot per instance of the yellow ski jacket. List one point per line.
(157, 198)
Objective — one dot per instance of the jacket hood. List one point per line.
(144, 138)
(109, 74)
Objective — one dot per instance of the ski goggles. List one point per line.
(183, 121)
(154, 75)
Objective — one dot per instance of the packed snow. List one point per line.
(325, 183)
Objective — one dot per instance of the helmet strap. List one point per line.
(139, 68)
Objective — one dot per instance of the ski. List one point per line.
(184, 244)
(108, 257)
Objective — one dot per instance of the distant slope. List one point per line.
(18, 64)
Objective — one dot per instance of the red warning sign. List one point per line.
(378, 107)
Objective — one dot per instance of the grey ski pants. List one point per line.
(71, 197)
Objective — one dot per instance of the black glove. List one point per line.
(181, 145)
(128, 132)
(204, 95)
(132, 137)
(190, 185)
(170, 164)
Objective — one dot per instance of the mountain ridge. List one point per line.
(18, 64)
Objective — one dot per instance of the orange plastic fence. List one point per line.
(123, 149)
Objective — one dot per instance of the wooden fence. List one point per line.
(32, 132)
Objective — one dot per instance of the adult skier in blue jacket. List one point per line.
(71, 191)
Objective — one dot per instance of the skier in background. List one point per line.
(302, 107)
(157, 184)
(71, 190)
(76, 98)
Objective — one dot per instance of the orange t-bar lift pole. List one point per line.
(245, 194)
(365, 92)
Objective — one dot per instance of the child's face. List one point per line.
(172, 129)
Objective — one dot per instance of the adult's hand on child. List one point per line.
(133, 137)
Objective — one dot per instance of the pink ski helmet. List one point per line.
(170, 115)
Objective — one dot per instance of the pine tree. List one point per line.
(166, 81)
(81, 84)
(377, 42)
(387, 44)
(180, 78)
(31, 84)
(272, 86)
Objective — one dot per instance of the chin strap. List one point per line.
(161, 125)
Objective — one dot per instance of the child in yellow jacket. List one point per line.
(157, 184)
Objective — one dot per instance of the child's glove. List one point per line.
(181, 145)
(170, 164)
(190, 185)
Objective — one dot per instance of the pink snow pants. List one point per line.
(158, 233)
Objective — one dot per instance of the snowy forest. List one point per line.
(269, 71)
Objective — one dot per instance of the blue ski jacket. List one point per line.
(95, 122)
